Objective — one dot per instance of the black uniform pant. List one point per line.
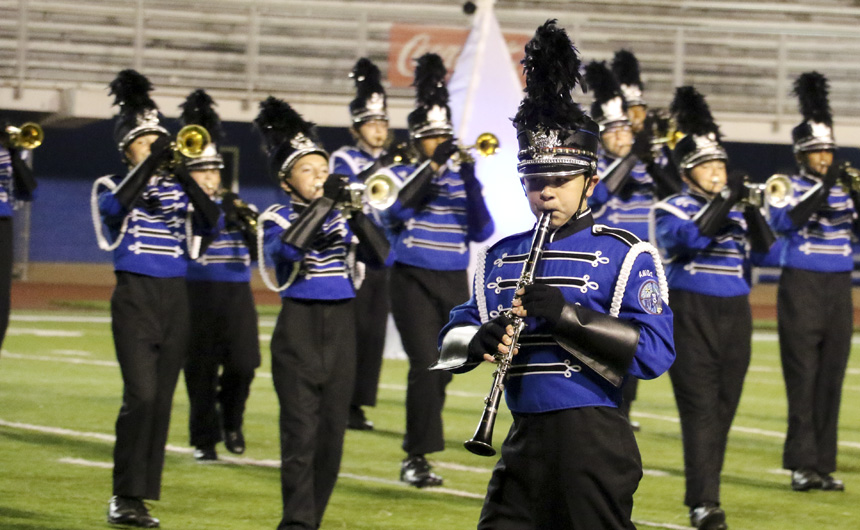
(421, 302)
(223, 334)
(372, 305)
(815, 317)
(149, 318)
(712, 341)
(6, 245)
(313, 366)
(573, 469)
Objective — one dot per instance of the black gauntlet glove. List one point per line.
(488, 338)
(22, 175)
(713, 216)
(134, 183)
(334, 187)
(444, 151)
(642, 146)
(543, 301)
(817, 195)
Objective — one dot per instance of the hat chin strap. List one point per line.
(295, 191)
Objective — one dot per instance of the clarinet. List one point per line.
(482, 441)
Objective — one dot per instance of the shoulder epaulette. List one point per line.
(618, 233)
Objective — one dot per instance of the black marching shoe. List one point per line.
(708, 516)
(357, 421)
(830, 483)
(234, 441)
(130, 511)
(416, 471)
(205, 453)
(805, 480)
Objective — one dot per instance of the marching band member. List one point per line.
(151, 214)
(814, 307)
(372, 305)
(439, 210)
(632, 179)
(625, 68)
(16, 184)
(313, 247)
(595, 315)
(706, 237)
(223, 316)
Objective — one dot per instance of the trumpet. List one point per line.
(191, 140)
(850, 178)
(486, 145)
(775, 192)
(28, 136)
(664, 130)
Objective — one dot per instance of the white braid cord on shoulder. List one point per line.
(624, 275)
(272, 284)
(192, 242)
(97, 220)
(480, 294)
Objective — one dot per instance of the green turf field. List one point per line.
(60, 392)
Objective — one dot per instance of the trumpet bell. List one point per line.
(191, 140)
(381, 191)
(487, 144)
(28, 136)
(777, 190)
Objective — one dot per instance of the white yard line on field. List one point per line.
(93, 362)
(74, 353)
(60, 318)
(13, 331)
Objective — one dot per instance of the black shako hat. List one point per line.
(556, 138)
(625, 67)
(815, 132)
(432, 116)
(701, 142)
(370, 100)
(609, 108)
(199, 109)
(138, 114)
(286, 136)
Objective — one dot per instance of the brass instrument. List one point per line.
(246, 213)
(381, 191)
(664, 130)
(28, 136)
(486, 144)
(850, 178)
(775, 192)
(482, 442)
(191, 140)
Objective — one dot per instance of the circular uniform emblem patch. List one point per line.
(649, 298)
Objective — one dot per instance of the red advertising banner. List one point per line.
(407, 42)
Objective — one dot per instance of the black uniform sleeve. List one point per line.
(373, 246)
(206, 212)
(22, 175)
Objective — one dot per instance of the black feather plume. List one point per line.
(812, 90)
(198, 109)
(625, 66)
(430, 88)
(551, 66)
(692, 113)
(131, 92)
(601, 81)
(279, 123)
(367, 79)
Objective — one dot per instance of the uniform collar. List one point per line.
(580, 222)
